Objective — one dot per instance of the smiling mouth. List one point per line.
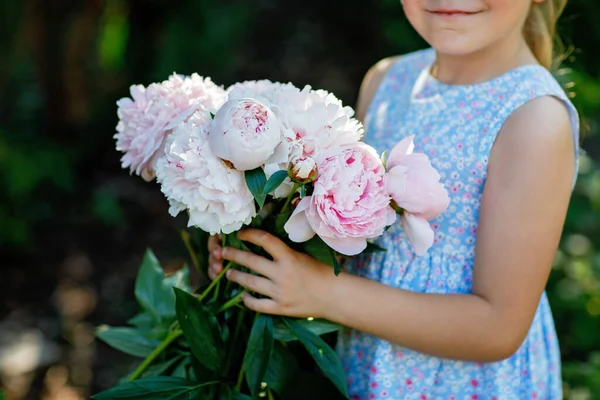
(452, 13)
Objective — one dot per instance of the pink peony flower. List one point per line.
(246, 133)
(416, 191)
(147, 118)
(193, 178)
(349, 204)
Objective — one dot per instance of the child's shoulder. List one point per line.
(378, 71)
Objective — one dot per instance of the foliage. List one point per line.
(198, 345)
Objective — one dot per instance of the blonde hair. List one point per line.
(540, 32)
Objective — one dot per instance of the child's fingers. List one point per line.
(214, 242)
(217, 267)
(214, 267)
(211, 273)
(215, 260)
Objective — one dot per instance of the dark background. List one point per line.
(74, 225)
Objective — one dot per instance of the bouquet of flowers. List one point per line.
(267, 155)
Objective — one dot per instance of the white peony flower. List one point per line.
(314, 119)
(146, 119)
(246, 133)
(193, 178)
(321, 122)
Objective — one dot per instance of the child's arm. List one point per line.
(521, 218)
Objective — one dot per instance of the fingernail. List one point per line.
(228, 273)
(216, 253)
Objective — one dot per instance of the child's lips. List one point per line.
(452, 13)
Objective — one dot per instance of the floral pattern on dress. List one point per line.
(456, 126)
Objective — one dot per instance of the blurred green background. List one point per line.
(74, 225)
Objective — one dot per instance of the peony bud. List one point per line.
(302, 169)
(245, 132)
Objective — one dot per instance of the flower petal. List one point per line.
(400, 150)
(297, 227)
(419, 233)
(390, 216)
(280, 155)
(395, 181)
(349, 246)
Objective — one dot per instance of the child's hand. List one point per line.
(215, 261)
(295, 284)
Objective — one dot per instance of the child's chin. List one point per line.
(455, 46)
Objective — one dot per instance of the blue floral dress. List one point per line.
(455, 125)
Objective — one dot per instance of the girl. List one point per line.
(469, 320)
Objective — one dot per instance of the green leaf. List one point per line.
(148, 285)
(155, 388)
(143, 321)
(316, 248)
(155, 369)
(258, 353)
(303, 191)
(128, 340)
(2, 396)
(323, 355)
(229, 394)
(159, 331)
(161, 368)
(154, 291)
(274, 181)
(316, 326)
(181, 370)
(314, 386)
(283, 369)
(201, 329)
(256, 181)
(374, 248)
(179, 279)
(336, 263)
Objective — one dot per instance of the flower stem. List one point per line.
(236, 333)
(185, 236)
(232, 302)
(290, 196)
(216, 292)
(159, 349)
(213, 283)
(238, 385)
